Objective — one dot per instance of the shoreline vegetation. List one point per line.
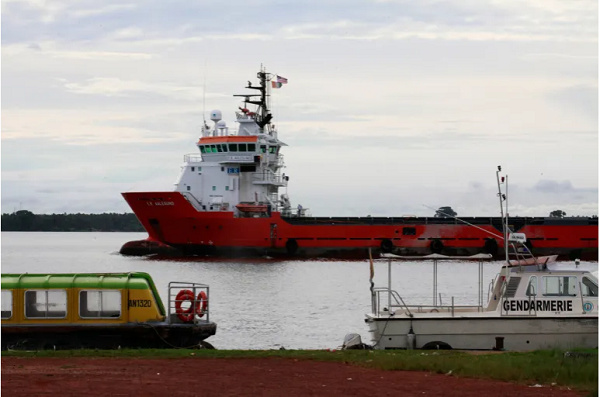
(27, 221)
(577, 369)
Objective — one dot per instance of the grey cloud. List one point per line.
(158, 19)
(583, 98)
(549, 186)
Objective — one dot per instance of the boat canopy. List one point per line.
(135, 280)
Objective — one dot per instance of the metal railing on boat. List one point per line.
(394, 300)
(199, 301)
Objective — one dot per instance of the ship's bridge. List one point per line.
(240, 149)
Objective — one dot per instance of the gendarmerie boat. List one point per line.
(102, 310)
(227, 202)
(534, 303)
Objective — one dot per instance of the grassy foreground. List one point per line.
(553, 367)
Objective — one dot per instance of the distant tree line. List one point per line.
(27, 221)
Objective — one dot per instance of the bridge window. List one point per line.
(252, 147)
(233, 147)
(242, 147)
(588, 288)
(263, 148)
(272, 149)
(100, 304)
(219, 148)
(202, 149)
(559, 285)
(213, 148)
(46, 303)
(7, 303)
(224, 147)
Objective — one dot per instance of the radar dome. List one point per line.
(215, 115)
(221, 124)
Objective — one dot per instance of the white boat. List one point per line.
(533, 303)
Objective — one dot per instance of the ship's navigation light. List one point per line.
(502, 179)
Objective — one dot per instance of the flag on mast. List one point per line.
(276, 84)
(281, 80)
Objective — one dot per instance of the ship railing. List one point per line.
(390, 302)
(279, 162)
(394, 300)
(192, 200)
(198, 307)
(269, 177)
(192, 158)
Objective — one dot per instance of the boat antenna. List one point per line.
(204, 125)
(503, 214)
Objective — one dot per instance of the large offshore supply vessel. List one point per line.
(227, 202)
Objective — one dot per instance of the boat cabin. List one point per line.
(101, 310)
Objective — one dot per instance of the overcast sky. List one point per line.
(392, 107)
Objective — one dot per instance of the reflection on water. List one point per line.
(257, 303)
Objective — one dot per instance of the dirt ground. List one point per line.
(238, 377)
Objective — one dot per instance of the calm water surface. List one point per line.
(260, 303)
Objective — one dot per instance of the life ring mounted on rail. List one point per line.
(185, 314)
(196, 306)
(201, 304)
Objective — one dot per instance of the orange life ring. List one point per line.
(201, 304)
(185, 315)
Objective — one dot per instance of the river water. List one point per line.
(259, 303)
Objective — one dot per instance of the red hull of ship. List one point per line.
(171, 221)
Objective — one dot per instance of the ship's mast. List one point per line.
(263, 115)
(504, 215)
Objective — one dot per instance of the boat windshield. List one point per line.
(588, 287)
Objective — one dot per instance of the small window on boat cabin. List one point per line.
(189, 188)
(226, 187)
(202, 149)
(409, 231)
(588, 288)
(100, 304)
(192, 169)
(46, 303)
(213, 148)
(559, 285)
(214, 188)
(233, 147)
(263, 148)
(242, 147)
(252, 147)
(7, 303)
(532, 286)
(272, 149)
(219, 148)
(224, 147)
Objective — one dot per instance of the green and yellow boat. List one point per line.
(102, 310)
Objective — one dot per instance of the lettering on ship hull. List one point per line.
(537, 305)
